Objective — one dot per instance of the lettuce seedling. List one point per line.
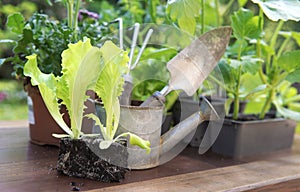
(84, 67)
(109, 87)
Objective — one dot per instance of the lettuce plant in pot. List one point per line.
(257, 73)
(84, 67)
(47, 38)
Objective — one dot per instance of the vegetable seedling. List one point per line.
(85, 67)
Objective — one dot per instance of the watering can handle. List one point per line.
(157, 99)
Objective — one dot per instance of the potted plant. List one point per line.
(84, 67)
(47, 38)
(258, 72)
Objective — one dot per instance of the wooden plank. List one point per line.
(28, 167)
(287, 186)
(234, 178)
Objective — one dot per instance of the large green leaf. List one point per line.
(47, 86)
(185, 13)
(280, 9)
(289, 61)
(110, 84)
(245, 24)
(80, 68)
(16, 22)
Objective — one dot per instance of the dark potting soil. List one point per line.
(83, 158)
(252, 117)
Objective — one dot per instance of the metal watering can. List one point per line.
(146, 122)
(188, 70)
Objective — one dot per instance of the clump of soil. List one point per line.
(83, 158)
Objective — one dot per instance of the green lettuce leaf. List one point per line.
(110, 84)
(47, 86)
(136, 140)
(80, 69)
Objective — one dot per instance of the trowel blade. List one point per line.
(190, 67)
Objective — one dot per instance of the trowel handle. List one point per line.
(157, 99)
(125, 98)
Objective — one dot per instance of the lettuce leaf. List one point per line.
(110, 84)
(47, 86)
(80, 69)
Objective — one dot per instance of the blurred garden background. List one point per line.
(13, 98)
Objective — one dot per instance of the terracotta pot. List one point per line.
(41, 123)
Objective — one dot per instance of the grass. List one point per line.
(13, 102)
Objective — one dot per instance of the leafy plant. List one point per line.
(48, 37)
(280, 64)
(80, 73)
(109, 87)
(85, 67)
(266, 63)
(240, 60)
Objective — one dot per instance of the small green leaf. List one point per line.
(280, 9)
(294, 76)
(187, 24)
(245, 24)
(158, 53)
(227, 71)
(136, 140)
(234, 63)
(16, 22)
(185, 12)
(256, 90)
(289, 61)
(250, 64)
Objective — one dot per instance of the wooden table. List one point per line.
(28, 167)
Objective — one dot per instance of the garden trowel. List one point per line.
(190, 67)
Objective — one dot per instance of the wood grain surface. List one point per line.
(28, 167)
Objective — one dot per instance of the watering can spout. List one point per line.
(171, 138)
